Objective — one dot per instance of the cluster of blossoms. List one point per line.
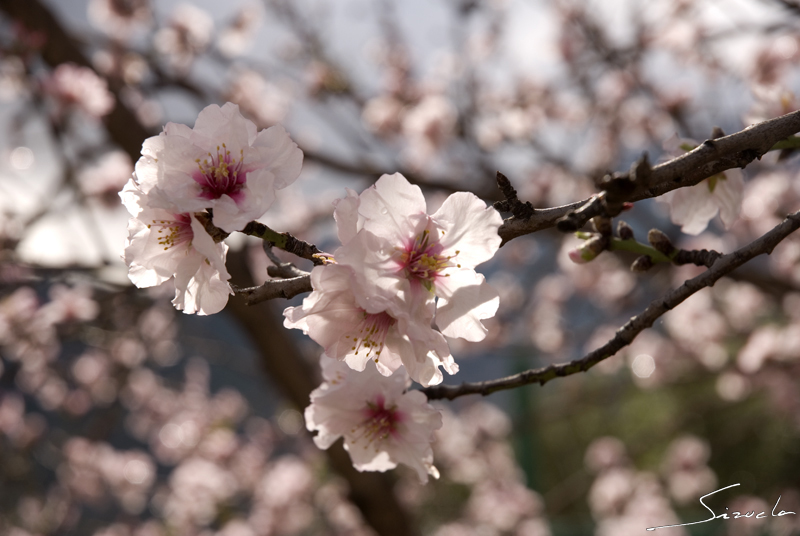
(399, 272)
(224, 165)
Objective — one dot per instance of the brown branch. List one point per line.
(285, 241)
(642, 182)
(512, 203)
(275, 288)
(625, 335)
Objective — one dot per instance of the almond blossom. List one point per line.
(382, 423)
(164, 242)
(394, 246)
(222, 163)
(694, 206)
(382, 327)
(74, 86)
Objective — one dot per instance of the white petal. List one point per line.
(469, 227)
(392, 208)
(465, 298)
(691, 208)
(729, 193)
(214, 253)
(280, 155)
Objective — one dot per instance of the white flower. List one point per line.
(395, 247)
(223, 163)
(76, 86)
(382, 423)
(694, 206)
(380, 328)
(164, 242)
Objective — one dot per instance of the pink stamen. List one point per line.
(380, 422)
(423, 260)
(220, 175)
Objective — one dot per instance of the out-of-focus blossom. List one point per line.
(610, 492)
(107, 176)
(685, 465)
(770, 101)
(429, 125)
(381, 115)
(265, 102)
(393, 244)
(223, 163)
(605, 453)
(119, 18)
(382, 423)
(70, 305)
(694, 206)
(164, 243)
(12, 78)
(188, 34)
(382, 327)
(236, 36)
(198, 486)
(73, 86)
(128, 66)
(502, 504)
(749, 524)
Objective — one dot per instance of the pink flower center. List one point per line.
(371, 333)
(423, 260)
(175, 232)
(221, 174)
(380, 423)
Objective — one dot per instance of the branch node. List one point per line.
(512, 204)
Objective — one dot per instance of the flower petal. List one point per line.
(465, 298)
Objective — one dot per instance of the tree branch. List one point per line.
(642, 182)
(625, 335)
(275, 288)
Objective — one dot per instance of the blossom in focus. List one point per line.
(75, 86)
(394, 246)
(382, 423)
(164, 242)
(693, 207)
(383, 328)
(223, 163)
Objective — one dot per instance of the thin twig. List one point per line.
(275, 288)
(708, 159)
(625, 335)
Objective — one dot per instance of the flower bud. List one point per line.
(660, 242)
(642, 264)
(624, 231)
(588, 250)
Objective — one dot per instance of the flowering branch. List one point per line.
(643, 182)
(284, 241)
(625, 335)
(293, 281)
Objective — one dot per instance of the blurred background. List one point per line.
(120, 416)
